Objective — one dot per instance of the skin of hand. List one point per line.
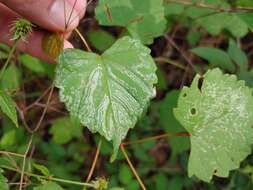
(48, 14)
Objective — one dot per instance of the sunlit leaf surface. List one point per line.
(219, 116)
(107, 92)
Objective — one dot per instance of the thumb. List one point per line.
(49, 14)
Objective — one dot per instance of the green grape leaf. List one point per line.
(219, 116)
(216, 57)
(8, 107)
(49, 186)
(64, 129)
(108, 93)
(3, 181)
(143, 20)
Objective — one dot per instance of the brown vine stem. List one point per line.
(83, 40)
(132, 167)
(94, 161)
(216, 8)
(22, 117)
(38, 100)
(171, 41)
(24, 162)
(171, 62)
(44, 110)
(178, 134)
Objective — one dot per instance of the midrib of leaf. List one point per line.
(4, 102)
(7, 106)
(105, 68)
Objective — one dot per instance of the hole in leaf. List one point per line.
(200, 83)
(184, 95)
(193, 111)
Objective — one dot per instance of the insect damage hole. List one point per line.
(200, 82)
(193, 111)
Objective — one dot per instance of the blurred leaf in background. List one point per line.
(144, 21)
(3, 181)
(171, 125)
(63, 130)
(101, 39)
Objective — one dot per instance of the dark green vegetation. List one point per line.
(179, 138)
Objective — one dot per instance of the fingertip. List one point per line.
(67, 45)
(54, 15)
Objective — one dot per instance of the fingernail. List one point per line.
(63, 15)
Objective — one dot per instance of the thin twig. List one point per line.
(22, 117)
(132, 167)
(178, 134)
(50, 178)
(83, 40)
(24, 162)
(209, 6)
(44, 110)
(39, 99)
(169, 61)
(11, 153)
(17, 183)
(171, 41)
(51, 108)
(94, 161)
(13, 162)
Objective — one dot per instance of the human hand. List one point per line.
(48, 14)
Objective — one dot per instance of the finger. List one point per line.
(79, 5)
(33, 45)
(49, 14)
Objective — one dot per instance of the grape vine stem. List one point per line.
(94, 161)
(156, 138)
(132, 167)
